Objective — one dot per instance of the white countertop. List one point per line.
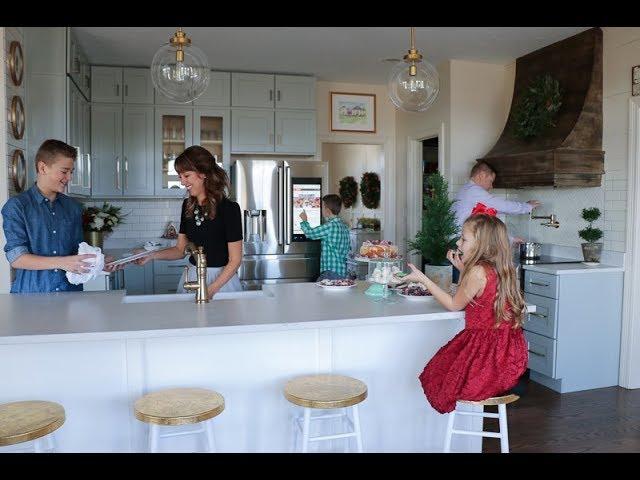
(572, 268)
(73, 316)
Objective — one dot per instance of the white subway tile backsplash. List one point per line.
(618, 185)
(614, 226)
(610, 195)
(615, 204)
(616, 216)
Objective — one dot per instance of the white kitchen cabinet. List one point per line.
(122, 150)
(295, 131)
(273, 131)
(259, 90)
(166, 274)
(78, 67)
(252, 131)
(211, 131)
(573, 337)
(106, 84)
(295, 91)
(255, 90)
(218, 92)
(121, 85)
(78, 120)
(138, 280)
(106, 149)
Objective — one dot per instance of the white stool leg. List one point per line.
(208, 431)
(449, 434)
(345, 424)
(51, 445)
(37, 446)
(296, 432)
(154, 437)
(356, 426)
(305, 430)
(504, 433)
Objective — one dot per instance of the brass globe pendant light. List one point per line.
(180, 70)
(413, 83)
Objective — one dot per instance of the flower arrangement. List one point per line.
(370, 189)
(536, 110)
(101, 219)
(348, 191)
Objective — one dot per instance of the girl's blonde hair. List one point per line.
(492, 247)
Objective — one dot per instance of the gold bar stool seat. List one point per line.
(179, 406)
(503, 434)
(326, 392)
(30, 420)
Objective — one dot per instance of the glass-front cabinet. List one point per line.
(174, 133)
(178, 128)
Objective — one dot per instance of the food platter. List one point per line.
(336, 285)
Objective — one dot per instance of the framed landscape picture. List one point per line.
(353, 112)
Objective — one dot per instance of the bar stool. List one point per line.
(31, 420)
(503, 434)
(326, 392)
(179, 406)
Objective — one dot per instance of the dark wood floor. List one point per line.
(601, 420)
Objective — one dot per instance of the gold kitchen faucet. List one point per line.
(200, 284)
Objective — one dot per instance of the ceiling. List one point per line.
(336, 54)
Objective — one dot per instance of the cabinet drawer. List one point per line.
(541, 284)
(170, 267)
(542, 353)
(165, 283)
(543, 320)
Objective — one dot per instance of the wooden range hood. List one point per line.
(569, 154)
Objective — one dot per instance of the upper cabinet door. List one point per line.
(106, 150)
(173, 134)
(254, 90)
(137, 86)
(294, 91)
(252, 131)
(218, 92)
(106, 84)
(296, 131)
(137, 150)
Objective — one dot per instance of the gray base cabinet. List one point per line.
(573, 336)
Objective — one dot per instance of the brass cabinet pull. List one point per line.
(126, 171)
(16, 63)
(535, 314)
(18, 170)
(536, 353)
(278, 94)
(126, 90)
(117, 89)
(118, 173)
(17, 117)
(539, 284)
(271, 139)
(270, 95)
(279, 139)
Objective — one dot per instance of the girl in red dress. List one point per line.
(486, 358)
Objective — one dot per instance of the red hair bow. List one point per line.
(482, 209)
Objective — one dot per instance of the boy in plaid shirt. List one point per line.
(334, 235)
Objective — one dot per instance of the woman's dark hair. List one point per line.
(216, 182)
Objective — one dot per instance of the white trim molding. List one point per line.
(414, 180)
(630, 337)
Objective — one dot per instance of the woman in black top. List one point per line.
(209, 219)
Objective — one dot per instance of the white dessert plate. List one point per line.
(419, 298)
(335, 287)
(591, 264)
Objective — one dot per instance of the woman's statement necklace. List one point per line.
(199, 217)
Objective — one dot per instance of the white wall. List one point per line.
(621, 50)
(385, 136)
(346, 159)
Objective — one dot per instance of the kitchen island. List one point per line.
(97, 352)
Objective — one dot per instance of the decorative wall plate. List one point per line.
(18, 170)
(16, 117)
(16, 63)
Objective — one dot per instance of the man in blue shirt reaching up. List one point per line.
(43, 226)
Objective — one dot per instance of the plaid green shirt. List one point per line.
(334, 234)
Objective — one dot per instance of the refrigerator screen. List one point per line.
(307, 196)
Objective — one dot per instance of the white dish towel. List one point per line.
(94, 264)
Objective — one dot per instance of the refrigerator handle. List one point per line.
(281, 206)
(289, 207)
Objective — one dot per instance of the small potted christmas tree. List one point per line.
(438, 233)
(592, 249)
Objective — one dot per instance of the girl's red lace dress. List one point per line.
(481, 361)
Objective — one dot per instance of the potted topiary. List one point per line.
(592, 249)
(438, 233)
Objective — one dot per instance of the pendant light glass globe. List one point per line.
(180, 81)
(413, 93)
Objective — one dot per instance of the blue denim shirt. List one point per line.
(33, 224)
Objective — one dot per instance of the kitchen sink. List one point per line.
(190, 297)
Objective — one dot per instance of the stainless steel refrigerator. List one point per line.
(271, 193)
